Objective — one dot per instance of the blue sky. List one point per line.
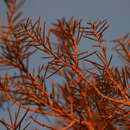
(116, 11)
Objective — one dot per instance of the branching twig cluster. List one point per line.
(93, 99)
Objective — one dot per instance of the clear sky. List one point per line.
(116, 11)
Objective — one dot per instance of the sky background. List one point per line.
(117, 12)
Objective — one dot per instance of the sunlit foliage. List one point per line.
(91, 95)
